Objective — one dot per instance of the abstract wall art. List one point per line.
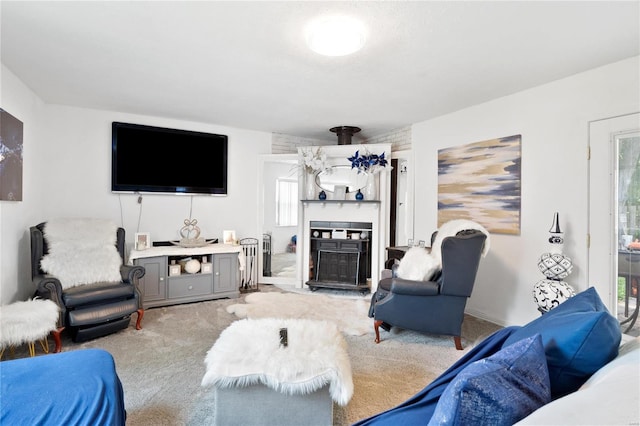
(10, 157)
(481, 182)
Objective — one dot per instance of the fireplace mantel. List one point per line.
(340, 202)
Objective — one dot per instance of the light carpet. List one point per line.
(161, 366)
(350, 315)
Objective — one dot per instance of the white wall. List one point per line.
(67, 169)
(67, 166)
(553, 121)
(19, 101)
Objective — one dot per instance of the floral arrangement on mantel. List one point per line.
(314, 160)
(368, 162)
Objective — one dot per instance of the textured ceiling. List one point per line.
(245, 64)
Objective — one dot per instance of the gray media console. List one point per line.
(219, 279)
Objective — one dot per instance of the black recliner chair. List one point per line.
(435, 306)
(90, 310)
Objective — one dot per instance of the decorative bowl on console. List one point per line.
(193, 242)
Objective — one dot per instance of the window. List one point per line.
(286, 202)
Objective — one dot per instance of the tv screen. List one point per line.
(160, 160)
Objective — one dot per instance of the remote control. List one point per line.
(284, 337)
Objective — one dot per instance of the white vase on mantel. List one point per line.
(310, 186)
(371, 188)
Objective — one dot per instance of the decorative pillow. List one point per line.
(579, 336)
(617, 383)
(417, 265)
(498, 390)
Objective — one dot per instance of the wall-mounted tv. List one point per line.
(148, 159)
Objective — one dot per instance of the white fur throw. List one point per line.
(81, 251)
(450, 229)
(28, 321)
(249, 352)
(349, 314)
(419, 265)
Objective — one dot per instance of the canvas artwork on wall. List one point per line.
(481, 182)
(10, 157)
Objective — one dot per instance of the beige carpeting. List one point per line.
(162, 365)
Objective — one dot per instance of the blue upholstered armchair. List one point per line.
(434, 305)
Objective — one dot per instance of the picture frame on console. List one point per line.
(142, 240)
(229, 237)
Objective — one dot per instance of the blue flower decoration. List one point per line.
(367, 162)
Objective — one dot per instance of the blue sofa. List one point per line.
(69, 388)
(519, 370)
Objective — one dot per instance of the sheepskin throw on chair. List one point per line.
(418, 264)
(81, 251)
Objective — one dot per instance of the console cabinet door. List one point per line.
(225, 267)
(154, 283)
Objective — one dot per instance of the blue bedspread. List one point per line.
(70, 388)
(419, 409)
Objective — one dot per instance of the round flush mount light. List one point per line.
(335, 35)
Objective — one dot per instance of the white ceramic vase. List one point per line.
(310, 186)
(371, 189)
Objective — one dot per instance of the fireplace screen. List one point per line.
(340, 255)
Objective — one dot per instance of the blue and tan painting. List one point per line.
(481, 182)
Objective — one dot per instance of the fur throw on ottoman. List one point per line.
(27, 321)
(249, 352)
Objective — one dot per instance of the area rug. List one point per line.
(350, 315)
(161, 366)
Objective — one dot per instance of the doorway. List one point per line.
(278, 219)
(401, 208)
(614, 181)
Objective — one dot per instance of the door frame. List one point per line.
(262, 160)
(409, 224)
(602, 250)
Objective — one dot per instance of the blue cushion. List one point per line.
(579, 337)
(499, 390)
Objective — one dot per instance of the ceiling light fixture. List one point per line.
(336, 35)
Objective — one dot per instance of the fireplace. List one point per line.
(342, 261)
(340, 255)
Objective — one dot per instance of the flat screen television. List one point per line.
(147, 159)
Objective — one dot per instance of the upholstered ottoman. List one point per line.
(27, 322)
(261, 379)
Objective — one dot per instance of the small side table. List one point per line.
(393, 254)
(27, 322)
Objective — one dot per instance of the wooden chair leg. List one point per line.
(139, 321)
(376, 326)
(458, 342)
(56, 338)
